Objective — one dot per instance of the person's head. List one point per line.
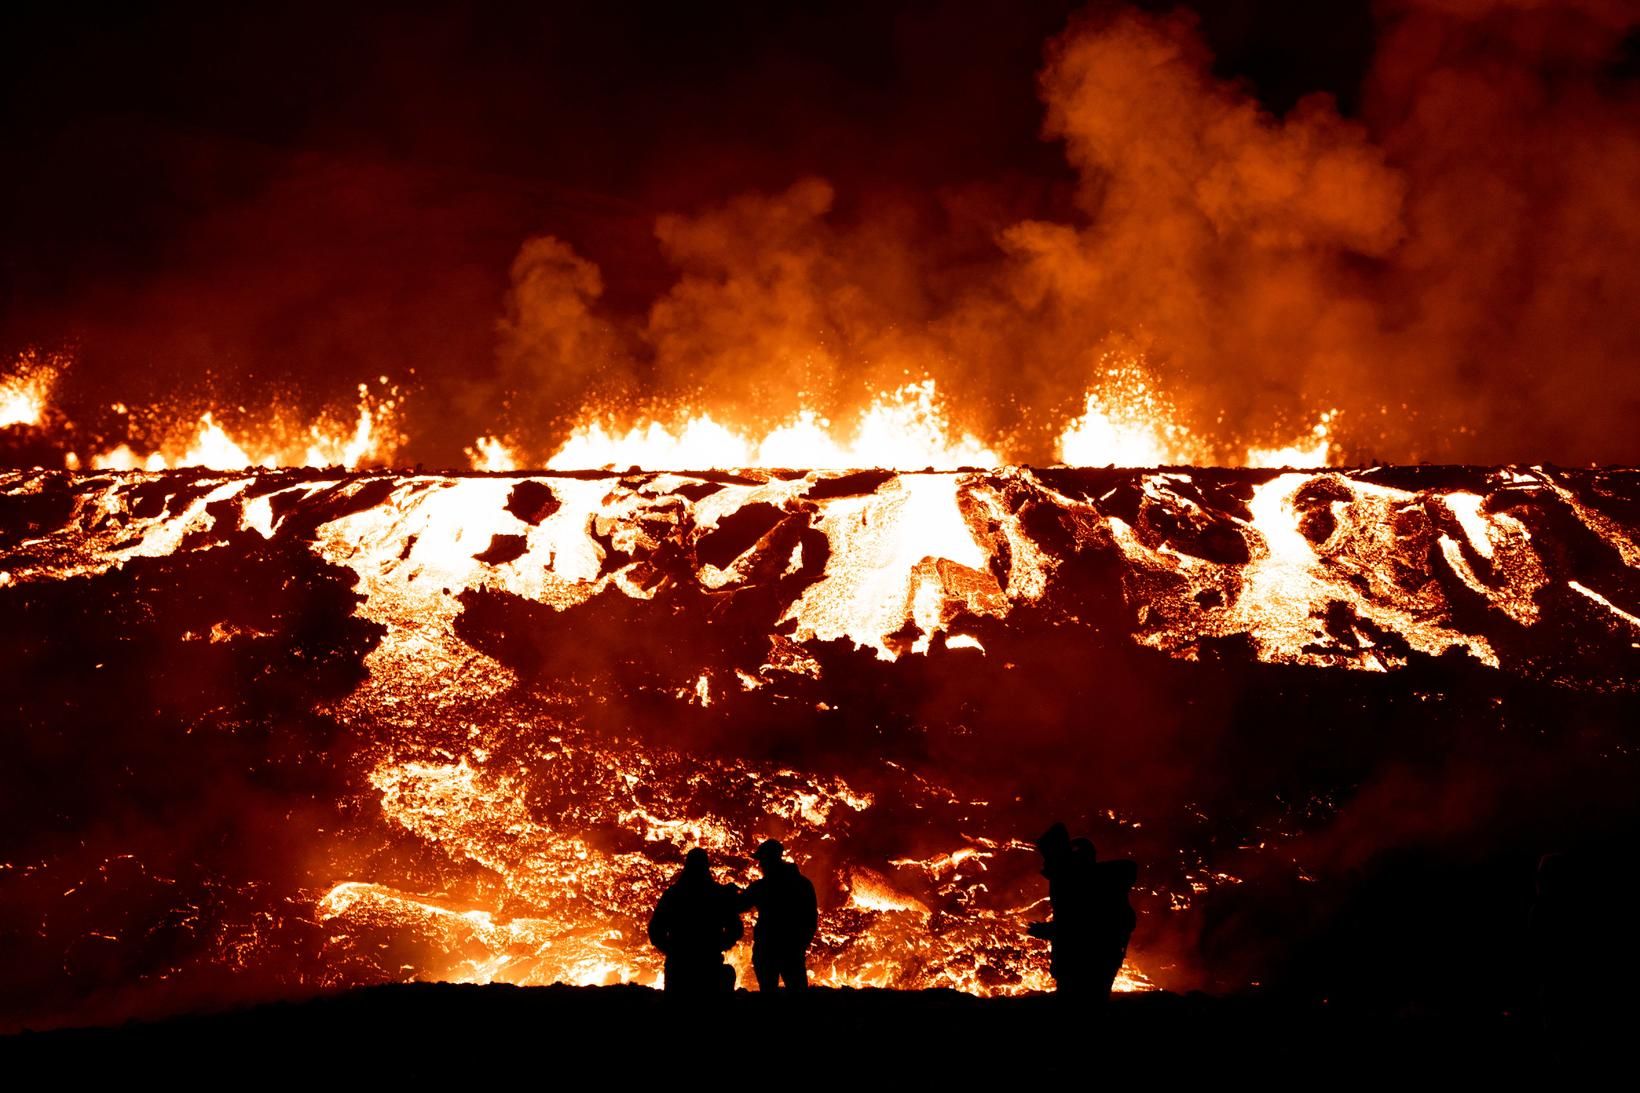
(1054, 842)
(696, 865)
(769, 854)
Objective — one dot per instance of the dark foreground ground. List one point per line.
(833, 1037)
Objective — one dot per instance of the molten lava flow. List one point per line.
(557, 682)
(911, 528)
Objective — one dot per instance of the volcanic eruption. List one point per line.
(892, 521)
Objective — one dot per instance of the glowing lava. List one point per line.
(371, 439)
(547, 654)
(906, 429)
(26, 392)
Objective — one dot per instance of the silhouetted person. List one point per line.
(1092, 919)
(787, 916)
(694, 923)
(1113, 917)
(1583, 944)
(1069, 896)
(1551, 921)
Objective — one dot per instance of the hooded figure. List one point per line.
(787, 916)
(694, 923)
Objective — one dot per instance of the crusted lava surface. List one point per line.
(273, 731)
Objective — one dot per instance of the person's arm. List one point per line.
(749, 896)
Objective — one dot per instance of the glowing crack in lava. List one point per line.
(480, 717)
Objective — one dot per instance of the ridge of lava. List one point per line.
(499, 706)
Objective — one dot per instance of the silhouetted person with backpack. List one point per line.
(1092, 919)
(787, 916)
(694, 924)
(1113, 917)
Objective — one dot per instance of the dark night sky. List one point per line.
(139, 139)
(126, 128)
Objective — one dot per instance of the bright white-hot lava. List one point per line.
(371, 439)
(25, 393)
(1316, 451)
(499, 835)
(905, 429)
(1124, 421)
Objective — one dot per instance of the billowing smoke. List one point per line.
(1222, 238)
(1446, 254)
(1449, 270)
(554, 348)
(1517, 128)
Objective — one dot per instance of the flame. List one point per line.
(372, 438)
(26, 393)
(905, 429)
(1126, 423)
(492, 454)
(1317, 453)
